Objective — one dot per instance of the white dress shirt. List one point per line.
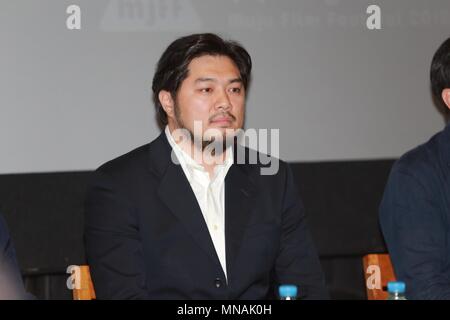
(210, 193)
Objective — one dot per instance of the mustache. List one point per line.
(222, 114)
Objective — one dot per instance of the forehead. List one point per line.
(208, 65)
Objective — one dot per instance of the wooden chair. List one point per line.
(378, 271)
(85, 291)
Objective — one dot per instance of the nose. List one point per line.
(223, 101)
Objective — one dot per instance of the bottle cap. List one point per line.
(287, 290)
(396, 286)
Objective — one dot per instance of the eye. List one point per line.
(235, 90)
(206, 90)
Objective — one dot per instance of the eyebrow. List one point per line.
(204, 79)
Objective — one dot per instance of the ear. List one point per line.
(165, 98)
(446, 97)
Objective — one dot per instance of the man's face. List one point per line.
(212, 94)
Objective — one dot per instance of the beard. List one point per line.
(213, 143)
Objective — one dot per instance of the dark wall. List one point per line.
(341, 200)
(44, 213)
(45, 216)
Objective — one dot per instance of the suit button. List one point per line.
(218, 282)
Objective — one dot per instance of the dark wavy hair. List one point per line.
(172, 67)
(440, 74)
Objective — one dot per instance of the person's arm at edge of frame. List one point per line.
(112, 242)
(413, 227)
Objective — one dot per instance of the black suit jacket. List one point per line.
(146, 238)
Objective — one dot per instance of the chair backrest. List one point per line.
(85, 289)
(378, 271)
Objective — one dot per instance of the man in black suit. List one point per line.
(179, 219)
(11, 284)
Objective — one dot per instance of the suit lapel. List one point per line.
(239, 192)
(176, 193)
(174, 190)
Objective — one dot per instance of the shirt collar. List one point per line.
(190, 164)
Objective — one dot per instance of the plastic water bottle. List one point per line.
(396, 290)
(287, 292)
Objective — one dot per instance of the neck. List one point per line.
(203, 153)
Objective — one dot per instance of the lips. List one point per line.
(222, 119)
